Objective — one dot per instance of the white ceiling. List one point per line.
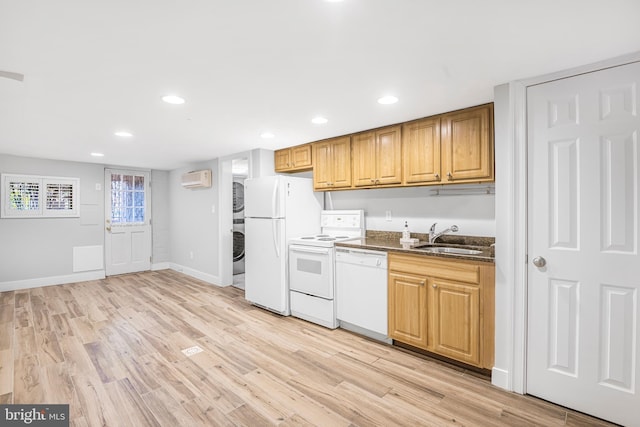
(249, 66)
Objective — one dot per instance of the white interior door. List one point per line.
(128, 222)
(583, 221)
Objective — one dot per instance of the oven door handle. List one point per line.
(309, 249)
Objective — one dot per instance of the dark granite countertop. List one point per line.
(389, 241)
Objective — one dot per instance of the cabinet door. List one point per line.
(301, 157)
(421, 151)
(322, 165)
(454, 310)
(389, 155)
(341, 162)
(282, 160)
(408, 309)
(467, 144)
(364, 159)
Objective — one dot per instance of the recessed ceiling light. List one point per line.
(123, 134)
(266, 135)
(97, 154)
(385, 100)
(173, 99)
(333, 1)
(319, 120)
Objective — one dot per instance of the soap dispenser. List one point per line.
(406, 234)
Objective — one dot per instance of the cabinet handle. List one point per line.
(437, 175)
(373, 181)
(449, 176)
(294, 164)
(434, 286)
(287, 164)
(421, 282)
(377, 181)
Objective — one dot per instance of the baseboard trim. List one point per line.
(500, 378)
(205, 277)
(160, 266)
(52, 280)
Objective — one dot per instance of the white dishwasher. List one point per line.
(361, 291)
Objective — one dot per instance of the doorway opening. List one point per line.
(240, 172)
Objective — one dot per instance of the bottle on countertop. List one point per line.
(406, 234)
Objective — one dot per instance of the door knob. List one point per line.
(108, 228)
(539, 262)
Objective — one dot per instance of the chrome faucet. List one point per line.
(433, 235)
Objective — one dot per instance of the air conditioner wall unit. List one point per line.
(197, 179)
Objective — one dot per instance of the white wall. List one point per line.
(474, 214)
(39, 251)
(194, 226)
(161, 219)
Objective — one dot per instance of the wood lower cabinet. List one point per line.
(407, 312)
(455, 316)
(443, 306)
(293, 159)
(377, 157)
(332, 163)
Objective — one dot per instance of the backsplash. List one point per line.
(388, 209)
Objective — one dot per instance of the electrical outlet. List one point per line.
(387, 216)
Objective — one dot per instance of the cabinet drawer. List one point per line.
(458, 270)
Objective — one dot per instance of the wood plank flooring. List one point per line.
(112, 349)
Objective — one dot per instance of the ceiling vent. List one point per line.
(197, 179)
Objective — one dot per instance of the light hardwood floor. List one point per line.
(112, 350)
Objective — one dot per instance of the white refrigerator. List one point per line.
(277, 208)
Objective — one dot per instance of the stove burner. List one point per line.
(326, 239)
(343, 237)
(323, 235)
(308, 237)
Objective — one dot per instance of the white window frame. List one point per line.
(42, 182)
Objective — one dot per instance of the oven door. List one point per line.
(311, 270)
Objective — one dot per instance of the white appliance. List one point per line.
(361, 292)
(238, 224)
(311, 266)
(196, 179)
(276, 209)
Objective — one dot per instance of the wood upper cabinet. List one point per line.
(292, 159)
(443, 306)
(421, 151)
(467, 145)
(449, 148)
(332, 163)
(377, 157)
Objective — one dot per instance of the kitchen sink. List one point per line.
(448, 250)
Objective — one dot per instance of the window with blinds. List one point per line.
(29, 196)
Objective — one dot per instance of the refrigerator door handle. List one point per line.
(274, 230)
(274, 198)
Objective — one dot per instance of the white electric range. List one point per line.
(311, 266)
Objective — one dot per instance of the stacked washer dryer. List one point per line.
(238, 225)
